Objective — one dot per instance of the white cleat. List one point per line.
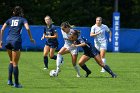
(45, 68)
(78, 75)
(103, 70)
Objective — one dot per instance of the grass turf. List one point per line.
(37, 80)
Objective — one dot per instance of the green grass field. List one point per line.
(37, 80)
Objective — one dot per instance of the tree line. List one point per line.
(77, 12)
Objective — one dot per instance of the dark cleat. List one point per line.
(17, 85)
(114, 76)
(87, 73)
(10, 83)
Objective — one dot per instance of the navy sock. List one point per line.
(54, 57)
(46, 61)
(16, 73)
(10, 71)
(84, 67)
(107, 68)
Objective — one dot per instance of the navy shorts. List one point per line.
(92, 53)
(13, 45)
(52, 45)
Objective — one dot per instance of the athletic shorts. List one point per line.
(13, 45)
(73, 50)
(52, 45)
(92, 53)
(102, 45)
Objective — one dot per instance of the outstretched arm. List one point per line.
(1, 33)
(29, 32)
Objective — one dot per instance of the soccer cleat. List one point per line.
(103, 70)
(17, 85)
(87, 73)
(10, 83)
(114, 76)
(45, 68)
(78, 75)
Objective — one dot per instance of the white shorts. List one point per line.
(100, 46)
(72, 50)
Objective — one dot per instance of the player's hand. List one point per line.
(32, 40)
(42, 37)
(110, 40)
(73, 45)
(98, 33)
(0, 44)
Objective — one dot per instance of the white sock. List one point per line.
(104, 60)
(58, 62)
(77, 69)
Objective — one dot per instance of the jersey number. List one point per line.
(14, 23)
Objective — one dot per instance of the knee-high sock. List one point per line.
(107, 68)
(84, 67)
(46, 61)
(58, 62)
(77, 69)
(54, 57)
(16, 73)
(10, 71)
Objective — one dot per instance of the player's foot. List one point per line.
(10, 83)
(45, 68)
(17, 85)
(78, 75)
(114, 76)
(103, 70)
(87, 73)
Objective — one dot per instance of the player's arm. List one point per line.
(110, 36)
(29, 32)
(1, 33)
(93, 34)
(54, 36)
(79, 45)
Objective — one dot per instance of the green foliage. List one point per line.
(77, 12)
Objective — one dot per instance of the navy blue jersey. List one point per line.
(50, 31)
(89, 50)
(15, 25)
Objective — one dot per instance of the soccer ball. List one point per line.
(53, 73)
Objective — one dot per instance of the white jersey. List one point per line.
(68, 43)
(101, 37)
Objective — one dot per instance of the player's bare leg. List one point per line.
(106, 67)
(82, 64)
(10, 68)
(15, 60)
(45, 56)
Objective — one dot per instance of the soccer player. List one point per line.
(89, 52)
(50, 34)
(98, 32)
(66, 31)
(14, 42)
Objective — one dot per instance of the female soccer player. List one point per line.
(100, 40)
(89, 52)
(66, 31)
(14, 42)
(50, 34)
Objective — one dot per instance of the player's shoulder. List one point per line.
(103, 25)
(94, 26)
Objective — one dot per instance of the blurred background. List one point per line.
(77, 12)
